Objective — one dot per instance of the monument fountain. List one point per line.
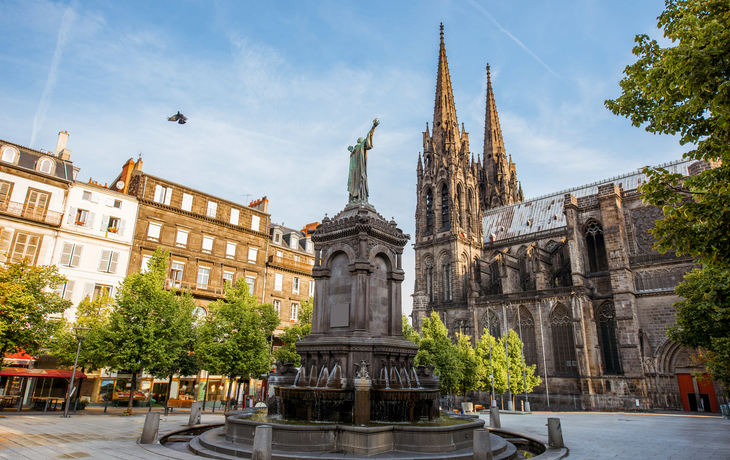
(357, 389)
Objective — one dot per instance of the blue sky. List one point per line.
(276, 91)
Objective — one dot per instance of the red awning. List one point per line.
(19, 355)
(22, 372)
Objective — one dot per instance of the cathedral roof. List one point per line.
(545, 213)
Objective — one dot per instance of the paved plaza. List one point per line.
(588, 435)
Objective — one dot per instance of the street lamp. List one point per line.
(81, 333)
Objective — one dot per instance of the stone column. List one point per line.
(362, 399)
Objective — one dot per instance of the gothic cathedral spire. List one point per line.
(445, 124)
(499, 176)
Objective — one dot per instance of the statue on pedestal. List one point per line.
(357, 180)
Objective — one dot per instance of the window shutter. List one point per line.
(76, 257)
(255, 223)
(234, 216)
(94, 197)
(88, 290)
(113, 262)
(104, 260)
(110, 202)
(278, 281)
(4, 191)
(159, 194)
(90, 220)
(66, 253)
(187, 202)
(104, 222)
(71, 219)
(122, 222)
(68, 292)
(168, 196)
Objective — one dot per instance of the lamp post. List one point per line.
(81, 333)
(491, 368)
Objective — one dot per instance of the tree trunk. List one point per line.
(130, 403)
(228, 393)
(169, 390)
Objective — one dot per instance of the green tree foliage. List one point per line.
(292, 334)
(684, 89)
(499, 360)
(517, 379)
(93, 315)
(469, 363)
(26, 301)
(143, 327)
(436, 348)
(409, 332)
(232, 340)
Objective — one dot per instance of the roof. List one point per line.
(29, 156)
(545, 213)
(23, 372)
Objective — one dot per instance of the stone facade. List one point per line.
(573, 272)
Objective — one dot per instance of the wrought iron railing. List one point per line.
(28, 212)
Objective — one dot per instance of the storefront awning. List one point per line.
(18, 358)
(22, 372)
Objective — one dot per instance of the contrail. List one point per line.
(516, 40)
(40, 114)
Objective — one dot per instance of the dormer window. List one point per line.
(46, 166)
(277, 237)
(294, 242)
(10, 155)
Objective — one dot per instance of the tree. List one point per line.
(143, 326)
(470, 364)
(684, 89)
(499, 364)
(410, 332)
(26, 303)
(517, 378)
(436, 348)
(233, 338)
(293, 334)
(94, 315)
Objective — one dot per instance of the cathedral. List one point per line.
(573, 272)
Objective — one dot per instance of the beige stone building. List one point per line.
(573, 272)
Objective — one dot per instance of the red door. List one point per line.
(685, 387)
(707, 387)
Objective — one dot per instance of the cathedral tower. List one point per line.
(448, 213)
(498, 184)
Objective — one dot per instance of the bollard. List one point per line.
(555, 433)
(195, 414)
(494, 418)
(482, 445)
(262, 439)
(151, 427)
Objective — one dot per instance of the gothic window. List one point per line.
(609, 341)
(447, 282)
(526, 328)
(491, 323)
(561, 275)
(429, 284)
(445, 216)
(561, 326)
(429, 211)
(596, 247)
(459, 206)
(495, 280)
(469, 211)
(527, 283)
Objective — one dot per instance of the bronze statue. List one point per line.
(357, 181)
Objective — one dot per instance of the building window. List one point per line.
(83, 218)
(251, 281)
(95, 291)
(294, 242)
(255, 223)
(277, 307)
(25, 247)
(294, 313)
(36, 204)
(445, 215)
(108, 261)
(230, 249)
(252, 254)
(459, 206)
(187, 202)
(203, 277)
(429, 211)
(278, 281)
(181, 239)
(145, 263)
(492, 324)
(279, 254)
(295, 285)
(71, 255)
(46, 166)
(596, 247)
(277, 237)
(561, 326)
(609, 340)
(112, 203)
(10, 155)
(153, 231)
(66, 291)
(163, 195)
(447, 282)
(227, 278)
(212, 209)
(89, 196)
(6, 190)
(429, 285)
(526, 327)
(176, 273)
(311, 288)
(296, 258)
(235, 214)
(208, 244)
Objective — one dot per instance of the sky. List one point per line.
(274, 92)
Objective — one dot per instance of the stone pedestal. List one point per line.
(362, 401)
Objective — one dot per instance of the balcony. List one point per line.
(290, 263)
(196, 289)
(39, 215)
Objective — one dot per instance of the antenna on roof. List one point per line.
(247, 195)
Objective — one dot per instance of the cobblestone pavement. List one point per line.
(599, 436)
(595, 436)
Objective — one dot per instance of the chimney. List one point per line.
(61, 151)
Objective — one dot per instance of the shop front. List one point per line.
(37, 389)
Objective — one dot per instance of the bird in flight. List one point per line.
(179, 117)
